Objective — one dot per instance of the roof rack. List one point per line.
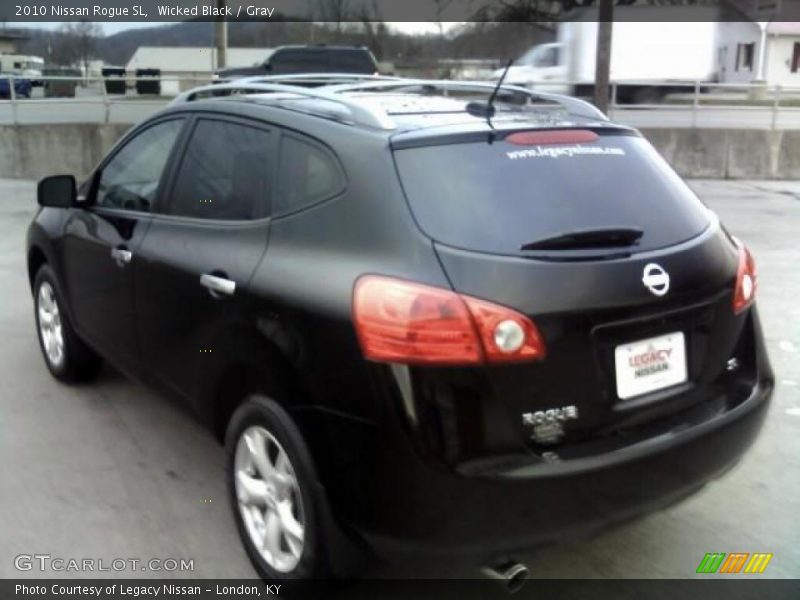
(363, 113)
(321, 78)
(574, 106)
(359, 112)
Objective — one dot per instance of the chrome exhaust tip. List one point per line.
(511, 575)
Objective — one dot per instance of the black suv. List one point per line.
(422, 322)
(287, 60)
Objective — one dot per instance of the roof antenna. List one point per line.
(479, 109)
(490, 104)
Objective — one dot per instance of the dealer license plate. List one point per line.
(649, 365)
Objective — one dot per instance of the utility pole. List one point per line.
(221, 36)
(605, 22)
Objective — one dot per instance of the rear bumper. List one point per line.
(395, 491)
(480, 518)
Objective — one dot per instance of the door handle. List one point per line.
(122, 256)
(218, 286)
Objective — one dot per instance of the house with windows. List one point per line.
(750, 51)
(10, 40)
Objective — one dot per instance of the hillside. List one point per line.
(476, 40)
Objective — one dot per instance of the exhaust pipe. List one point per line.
(511, 575)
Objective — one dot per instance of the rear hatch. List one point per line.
(592, 235)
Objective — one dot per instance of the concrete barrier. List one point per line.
(34, 151)
(729, 153)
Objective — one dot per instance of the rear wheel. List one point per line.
(273, 492)
(65, 354)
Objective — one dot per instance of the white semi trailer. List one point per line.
(646, 57)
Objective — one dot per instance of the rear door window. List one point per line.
(225, 173)
(498, 197)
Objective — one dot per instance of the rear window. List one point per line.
(498, 197)
(321, 60)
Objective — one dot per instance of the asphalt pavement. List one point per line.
(112, 470)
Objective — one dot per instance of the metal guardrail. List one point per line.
(92, 102)
(97, 84)
(699, 97)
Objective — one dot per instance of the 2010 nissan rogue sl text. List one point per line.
(423, 323)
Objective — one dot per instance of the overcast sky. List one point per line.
(111, 28)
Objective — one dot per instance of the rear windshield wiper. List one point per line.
(588, 238)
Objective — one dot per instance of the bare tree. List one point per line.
(76, 44)
(374, 27)
(441, 6)
(336, 11)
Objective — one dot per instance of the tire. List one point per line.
(67, 357)
(264, 507)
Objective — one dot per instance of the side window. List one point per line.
(225, 173)
(307, 174)
(130, 179)
(548, 58)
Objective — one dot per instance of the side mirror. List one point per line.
(58, 191)
(267, 66)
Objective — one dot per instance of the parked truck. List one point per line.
(648, 59)
(28, 67)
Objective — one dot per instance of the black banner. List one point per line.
(735, 588)
(109, 11)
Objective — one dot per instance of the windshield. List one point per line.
(500, 197)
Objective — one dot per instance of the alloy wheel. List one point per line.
(269, 499)
(50, 327)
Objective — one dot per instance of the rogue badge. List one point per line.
(547, 424)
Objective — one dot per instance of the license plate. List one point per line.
(649, 365)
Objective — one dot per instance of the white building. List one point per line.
(759, 51)
(193, 65)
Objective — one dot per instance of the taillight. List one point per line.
(404, 322)
(746, 280)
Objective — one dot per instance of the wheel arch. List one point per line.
(36, 258)
(249, 362)
(260, 366)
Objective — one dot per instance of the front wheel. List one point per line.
(273, 492)
(65, 354)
